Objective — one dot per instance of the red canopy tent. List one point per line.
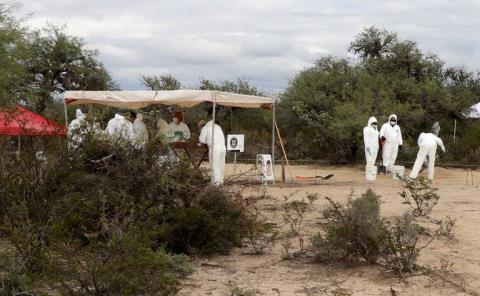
(22, 122)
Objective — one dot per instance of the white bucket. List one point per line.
(397, 171)
(371, 173)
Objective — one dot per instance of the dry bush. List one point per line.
(419, 195)
(71, 217)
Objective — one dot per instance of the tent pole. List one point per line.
(273, 140)
(65, 110)
(18, 142)
(213, 136)
(455, 131)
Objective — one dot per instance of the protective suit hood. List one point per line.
(139, 117)
(371, 120)
(79, 114)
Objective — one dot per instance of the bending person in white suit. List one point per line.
(370, 139)
(217, 152)
(427, 142)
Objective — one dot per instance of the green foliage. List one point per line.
(419, 195)
(325, 106)
(355, 232)
(213, 224)
(400, 250)
(162, 82)
(13, 278)
(103, 220)
(13, 52)
(260, 235)
(124, 265)
(352, 231)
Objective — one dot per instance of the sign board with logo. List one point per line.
(235, 143)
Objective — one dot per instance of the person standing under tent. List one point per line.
(120, 128)
(427, 143)
(392, 142)
(217, 151)
(140, 133)
(162, 129)
(370, 139)
(178, 131)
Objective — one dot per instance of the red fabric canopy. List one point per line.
(22, 122)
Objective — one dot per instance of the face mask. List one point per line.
(392, 122)
(374, 125)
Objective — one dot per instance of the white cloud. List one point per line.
(268, 41)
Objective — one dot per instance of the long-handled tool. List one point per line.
(316, 177)
(284, 153)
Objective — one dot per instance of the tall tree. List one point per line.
(161, 82)
(60, 62)
(13, 52)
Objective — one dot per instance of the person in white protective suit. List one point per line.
(178, 131)
(162, 129)
(427, 143)
(119, 128)
(217, 151)
(79, 128)
(370, 139)
(392, 142)
(140, 133)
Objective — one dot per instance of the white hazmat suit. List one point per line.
(140, 133)
(427, 142)
(393, 139)
(162, 129)
(217, 152)
(79, 128)
(370, 139)
(119, 128)
(178, 132)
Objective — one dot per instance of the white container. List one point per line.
(371, 173)
(397, 171)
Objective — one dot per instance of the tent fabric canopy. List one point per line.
(475, 111)
(182, 98)
(22, 122)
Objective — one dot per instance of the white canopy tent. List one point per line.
(475, 112)
(182, 98)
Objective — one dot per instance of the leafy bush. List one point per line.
(98, 220)
(124, 265)
(355, 232)
(419, 195)
(13, 278)
(352, 231)
(400, 250)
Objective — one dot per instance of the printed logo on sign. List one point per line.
(233, 142)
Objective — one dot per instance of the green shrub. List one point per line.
(70, 218)
(13, 278)
(419, 195)
(352, 231)
(355, 232)
(124, 265)
(400, 250)
(213, 224)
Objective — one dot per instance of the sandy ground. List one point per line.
(268, 274)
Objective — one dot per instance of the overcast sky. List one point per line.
(265, 41)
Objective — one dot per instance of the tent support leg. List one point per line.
(455, 131)
(273, 140)
(65, 110)
(213, 137)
